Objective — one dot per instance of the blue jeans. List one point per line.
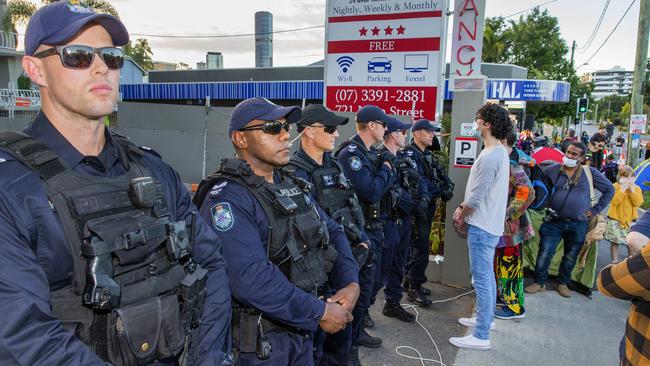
(481, 259)
(573, 233)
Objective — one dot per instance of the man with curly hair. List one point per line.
(481, 216)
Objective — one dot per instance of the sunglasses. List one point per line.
(270, 127)
(382, 123)
(81, 57)
(328, 129)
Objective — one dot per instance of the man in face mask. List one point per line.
(568, 212)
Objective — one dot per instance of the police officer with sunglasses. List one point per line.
(290, 266)
(331, 188)
(104, 258)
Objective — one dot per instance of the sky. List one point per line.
(577, 19)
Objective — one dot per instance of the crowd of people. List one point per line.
(277, 257)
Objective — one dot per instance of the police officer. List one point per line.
(371, 177)
(279, 245)
(104, 260)
(397, 208)
(425, 209)
(313, 162)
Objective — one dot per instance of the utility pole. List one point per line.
(573, 50)
(640, 63)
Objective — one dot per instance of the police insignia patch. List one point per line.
(222, 217)
(409, 152)
(355, 163)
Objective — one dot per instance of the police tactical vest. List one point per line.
(334, 195)
(371, 211)
(407, 173)
(298, 239)
(136, 294)
(427, 161)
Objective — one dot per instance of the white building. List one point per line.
(609, 82)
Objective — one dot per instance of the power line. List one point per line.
(610, 34)
(225, 35)
(523, 11)
(595, 31)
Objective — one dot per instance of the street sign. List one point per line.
(384, 54)
(467, 44)
(638, 123)
(465, 152)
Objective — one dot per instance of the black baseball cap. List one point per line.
(55, 24)
(317, 113)
(262, 109)
(395, 124)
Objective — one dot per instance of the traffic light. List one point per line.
(583, 105)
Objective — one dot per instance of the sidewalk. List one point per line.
(556, 331)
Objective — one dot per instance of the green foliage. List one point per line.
(494, 43)
(18, 12)
(140, 52)
(24, 82)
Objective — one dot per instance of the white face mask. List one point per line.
(569, 163)
(475, 126)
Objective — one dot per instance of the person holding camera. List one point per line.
(568, 212)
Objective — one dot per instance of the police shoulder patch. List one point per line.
(222, 217)
(409, 152)
(355, 163)
(352, 148)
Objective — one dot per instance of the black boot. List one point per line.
(367, 321)
(354, 356)
(425, 291)
(395, 310)
(366, 340)
(407, 286)
(418, 298)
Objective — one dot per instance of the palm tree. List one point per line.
(19, 11)
(493, 41)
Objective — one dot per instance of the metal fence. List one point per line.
(8, 40)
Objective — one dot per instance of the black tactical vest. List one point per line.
(298, 239)
(334, 195)
(427, 159)
(371, 211)
(136, 294)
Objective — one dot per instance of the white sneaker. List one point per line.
(470, 342)
(471, 322)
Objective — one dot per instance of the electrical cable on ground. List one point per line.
(419, 356)
(610, 34)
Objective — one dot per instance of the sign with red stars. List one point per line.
(386, 53)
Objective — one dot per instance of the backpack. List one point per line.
(543, 187)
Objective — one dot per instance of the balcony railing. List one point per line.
(12, 100)
(8, 40)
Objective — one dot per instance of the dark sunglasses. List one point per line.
(328, 129)
(382, 123)
(81, 57)
(270, 127)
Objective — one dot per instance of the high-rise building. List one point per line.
(200, 65)
(263, 39)
(214, 60)
(615, 81)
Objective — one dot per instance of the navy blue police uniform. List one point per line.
(370, 179)
(272, 234)
(426, 208)
(397, 207)
(40, 258)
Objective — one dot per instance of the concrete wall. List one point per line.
(176, 133)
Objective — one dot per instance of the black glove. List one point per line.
(422, 207)
(360, 254)
(389, 157)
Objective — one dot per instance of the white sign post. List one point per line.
(638, 123)
(386, 54)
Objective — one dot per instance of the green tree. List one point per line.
(494, 43)
(534, 41)
(140, 52)
(19, 11)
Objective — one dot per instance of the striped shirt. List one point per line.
(630, 280)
